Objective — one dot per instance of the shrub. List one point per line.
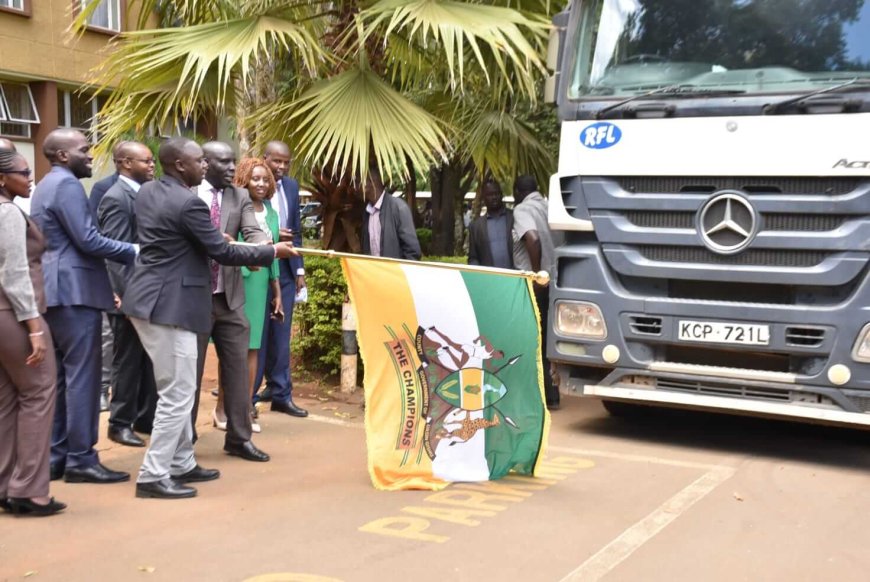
(424, 235)
(316, 343)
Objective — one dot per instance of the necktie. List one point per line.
(216, 221)
(281, 202)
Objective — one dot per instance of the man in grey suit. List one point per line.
(77, 291)
(388, 227)
(168, 302)
(231, 208)
(134, 394)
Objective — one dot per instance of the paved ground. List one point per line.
(671, 496)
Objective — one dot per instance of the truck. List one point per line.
(713, 192)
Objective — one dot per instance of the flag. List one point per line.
(453, 376)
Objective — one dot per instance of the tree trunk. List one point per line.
(445, 184)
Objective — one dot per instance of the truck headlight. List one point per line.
(580, 319)
(861, 351)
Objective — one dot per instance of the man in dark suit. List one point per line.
(169, 301)
(490, 241)
(231, 208)
(77, 291)
(274, 355)
(388, 227)
(134, 393)
(99, 190)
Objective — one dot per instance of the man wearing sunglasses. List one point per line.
(134, 392)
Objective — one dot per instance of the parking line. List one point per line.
(635, 458)
(621, 547)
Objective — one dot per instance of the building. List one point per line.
(43, 67)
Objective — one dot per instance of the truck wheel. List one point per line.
(621, 409)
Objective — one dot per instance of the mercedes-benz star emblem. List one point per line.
(727, 223)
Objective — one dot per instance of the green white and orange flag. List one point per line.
(453, 377)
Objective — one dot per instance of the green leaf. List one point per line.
(463, 27)
(337, 119)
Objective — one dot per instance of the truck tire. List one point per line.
(622, 409)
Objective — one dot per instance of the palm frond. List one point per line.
(502, 143)
(464, 30)
(144, 59)
(335, 122)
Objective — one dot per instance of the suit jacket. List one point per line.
(289, 267)
(117, 220)
(237, 218)
(75, 273)
(171, 282)
(99, 190)
(479, 252)
(398, 235)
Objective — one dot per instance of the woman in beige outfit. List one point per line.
(27, 364)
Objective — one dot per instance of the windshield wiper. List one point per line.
(671, 91)
(777, 107)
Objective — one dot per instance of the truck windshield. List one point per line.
(628, 47)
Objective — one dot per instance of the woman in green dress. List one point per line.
(253, 174)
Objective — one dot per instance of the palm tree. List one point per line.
(420, 84)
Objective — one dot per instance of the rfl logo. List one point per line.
(601, 135)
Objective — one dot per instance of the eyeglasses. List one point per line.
(148, 161)
(25, 173)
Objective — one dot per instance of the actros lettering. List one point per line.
(853, 165)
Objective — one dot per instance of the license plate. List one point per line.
(723, 333)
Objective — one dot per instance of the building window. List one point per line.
(106, 16)
(17, 109)
(78, 111)
(19, 5)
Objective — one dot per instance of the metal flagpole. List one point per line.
(541, 277)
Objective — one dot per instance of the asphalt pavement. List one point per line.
(667, 495)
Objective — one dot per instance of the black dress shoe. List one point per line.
(197, 474)
(289, 408)
(164, 489)
(22, 506)
(4, 504)
(124, 435)
(55, 472)
(104, 402)
(264, 396)
(247, 451)
(95, 474)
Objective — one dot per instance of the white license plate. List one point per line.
(723, 333)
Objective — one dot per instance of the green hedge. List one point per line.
(316, 343)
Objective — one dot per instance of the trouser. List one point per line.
(107, 341)
(134, 392)
(542, 298)
(273, 360)
(231, 334)
(76, 333)
(173, 351)
(26, 411)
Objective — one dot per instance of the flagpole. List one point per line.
(541, 277)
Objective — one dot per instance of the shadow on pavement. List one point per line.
(828, 445)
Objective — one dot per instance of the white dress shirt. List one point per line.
(204, 191)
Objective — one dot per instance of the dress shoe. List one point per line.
(164, 489)
(125, 436)
(289, 408)
(553, 405)
(24, 507)
(264, 396)
(55, 472)
(4, 504)
(247, 451)
(104, 402)
(197, 474)
(95, 474)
